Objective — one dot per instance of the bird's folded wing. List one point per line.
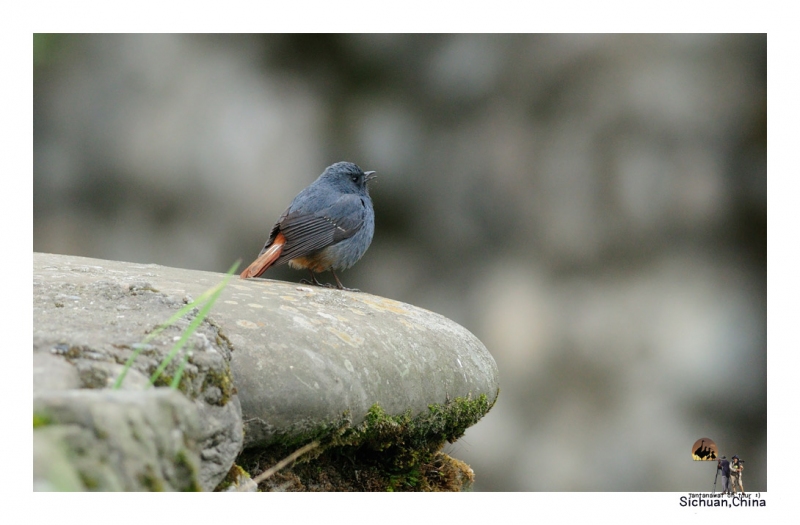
(308, 232)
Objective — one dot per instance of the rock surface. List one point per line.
(309, 356)
(303, 359)
(89, 314)
(116, 440)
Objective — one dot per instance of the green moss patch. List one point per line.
(40, 419)
(233, 478)
(383, 453)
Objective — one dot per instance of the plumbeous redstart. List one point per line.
(328, 226)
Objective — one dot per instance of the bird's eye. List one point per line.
(355, 178)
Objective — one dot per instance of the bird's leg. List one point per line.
(341, 286)
(314, 281)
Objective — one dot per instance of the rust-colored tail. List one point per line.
(266, 259)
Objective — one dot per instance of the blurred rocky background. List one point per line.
(593, 208)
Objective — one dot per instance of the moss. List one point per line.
(76, 351)
(88, 481)
(138, 288)
(385, 452)
(185, 385)
(221, 337)
(189, 383)
(186, 471)
(223, 381)
(41, 419)
(233, 478)
(441, 422)
(150, 481)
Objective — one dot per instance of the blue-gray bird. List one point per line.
(328, 226)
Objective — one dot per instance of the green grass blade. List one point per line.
(215, 292)
(179, 373)
(191, 329)
(205, 297)
(180, 313)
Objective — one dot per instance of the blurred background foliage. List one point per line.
(592, 207)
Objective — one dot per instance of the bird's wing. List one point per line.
(308, 232)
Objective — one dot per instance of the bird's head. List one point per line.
(348, 177)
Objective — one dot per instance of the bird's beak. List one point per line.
(369, 175)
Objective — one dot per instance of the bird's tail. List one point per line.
(266, 259)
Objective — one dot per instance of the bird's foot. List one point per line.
(341, 286)
(316, 283)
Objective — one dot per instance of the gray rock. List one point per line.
(89, 317)
(53, 373)
(304, 360)
(312, 357)
(109, 440)
(52, 468)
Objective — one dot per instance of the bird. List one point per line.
(328, 226)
